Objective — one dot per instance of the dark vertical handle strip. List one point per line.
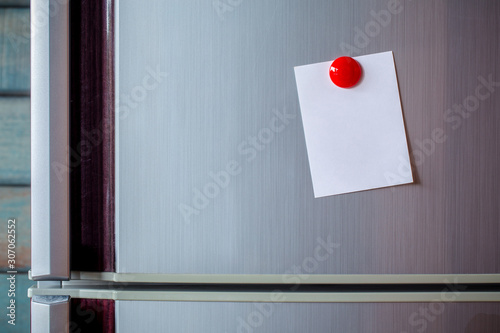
(92, 135)
(92, 315)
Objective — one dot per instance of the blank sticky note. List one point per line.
(355, 137)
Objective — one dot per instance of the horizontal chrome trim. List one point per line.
(278, 279)
(107, 292)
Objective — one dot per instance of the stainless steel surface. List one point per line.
(230, 75)
(306, 317)
(50, 314)
(49, 140)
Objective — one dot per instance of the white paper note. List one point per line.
(355, 137)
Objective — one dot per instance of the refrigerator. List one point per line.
(172, 180)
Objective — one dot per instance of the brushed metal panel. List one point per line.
(193, 86)
(472, 155)
(136, 316)
(49, 140)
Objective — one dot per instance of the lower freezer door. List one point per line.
(80, 306)
(435, 317)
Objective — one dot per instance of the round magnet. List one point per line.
(345, 72)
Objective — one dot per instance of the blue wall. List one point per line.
(15, 156)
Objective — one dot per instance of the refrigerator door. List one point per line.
(136, 316)
(175, 308)
(212, 174)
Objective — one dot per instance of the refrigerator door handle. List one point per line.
(50, 314)
(50, 140)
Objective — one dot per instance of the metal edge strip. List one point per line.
(282, 279)
(116, 23)
(50, 314)
(446, 296)
(50, 140)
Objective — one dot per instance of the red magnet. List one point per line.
(345, 72)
